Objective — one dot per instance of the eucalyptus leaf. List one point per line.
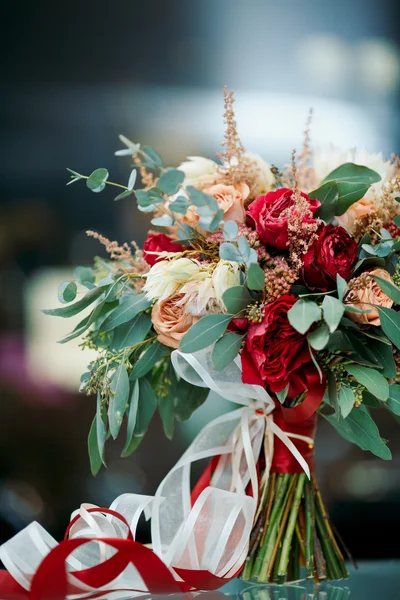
(153, 159)
(255, 277)
(225, 350)
(228, 251)
(67, 292)
(179, 205)
(390, 323)
(303, 314)
(132, 332)
(119, 386)
(124, 194)
(393, 402)
(231, 230)
(319, 337)
(85, 276)
(101, 427)
(132, 411)
(333, 311)
(146, 407)
(374, 381)
(384, 356)
(170, 181)
(77, 307)
(96, 181)
(128, 308)
(282, 394)
(132, 179)
(237, 298)
(205, 332)
(341, 285)
(349, 193)
(359, 428)
(350, 172)
(94, 455)
(163, 221)
(147, 360)
(328, 195)
(346, 401)
(97, 314)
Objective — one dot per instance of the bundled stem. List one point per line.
(293, 531)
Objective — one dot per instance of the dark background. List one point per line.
(75, 75)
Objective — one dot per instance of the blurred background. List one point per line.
(75, 75)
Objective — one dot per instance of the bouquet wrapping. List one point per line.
(276, 289)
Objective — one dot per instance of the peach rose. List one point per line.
(230, 199)
(364, 292)
(171, 321)
(358, 210)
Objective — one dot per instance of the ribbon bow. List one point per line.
(199, 546)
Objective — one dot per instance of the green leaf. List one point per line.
(346, 401)
(332, 396)
(358, 428)
(303, 314)
(350, 172)
(393, 402)
(124, 194)
(94, 456)
(147, 360)
(179, 205)
(236, 299)
(101, 428)
(128, 308)
(370, 400)
(199, 198)
(132, 412)
(255, 277)
(205, 332)
(231, 231)
(146, 407)
(371, 379)
(389, 288)
(341, 285)
(74, 309)
(67, 292)
(97, 315)
(319, 338)
(390, 323)
(85, 276)
(225, 350)
(282, 394)
(117, 406)
(333, 312)
(228, 251)
(384, 356)
(348, 194)
(153, 157)
(179, 402)
(132, 332)
(96, 181)
(170, 181)
(328, 195)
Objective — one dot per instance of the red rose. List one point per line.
(274, 350)
(265, 213)
(334, 252)
(158, 242)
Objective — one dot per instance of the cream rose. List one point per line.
(200, 172)
(231, 200)
(225, 276)
(171, 320)
(364, 291)
(167, 277)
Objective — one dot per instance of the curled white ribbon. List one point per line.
(214, 533)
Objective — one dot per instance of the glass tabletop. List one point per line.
(371, 581)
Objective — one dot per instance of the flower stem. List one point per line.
(287, 542)
(309, 527)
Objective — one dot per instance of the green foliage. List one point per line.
(255, 277)
(94, 455)
(146, 406)
(389, 288)
(132, 332)
(328, 195)
(225, 350)
(384, 355)
(101, 427)
(85, 276)
(359, 428)
(303, 314)
(333, 312)
(97, 315)
(67, 292)
(205, 332)
(352, 173)
(341, 286)
(231, 230)
(237, 298)
(97, 180)
(118, 400)
(346, 401)
(179, 205)
(390, 323)
(129, 306)
(393, 402)
(319, 337)
(74, 309)
(170, 181)
(148, 359)
(374, 381)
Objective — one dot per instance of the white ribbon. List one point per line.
(214, 533)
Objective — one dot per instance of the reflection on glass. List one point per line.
(306, 591)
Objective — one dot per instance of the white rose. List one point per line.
(225, 276)
(199, 171)
(265, 179)
(167, 277)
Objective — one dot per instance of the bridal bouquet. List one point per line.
(278, 289)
